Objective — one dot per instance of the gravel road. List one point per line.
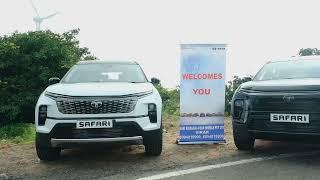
(20, 161)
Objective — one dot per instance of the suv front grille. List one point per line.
(261, 121)
(105, 106)
(301, 103)
(263, 104)
(69, 131)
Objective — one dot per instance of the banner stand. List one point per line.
(202, 93)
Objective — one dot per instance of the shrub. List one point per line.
(170, 101)
(19, 132)
(27, 61)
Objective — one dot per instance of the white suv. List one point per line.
(98, 102)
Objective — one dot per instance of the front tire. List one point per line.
(243, 140)
(153, 143)
(45, 152)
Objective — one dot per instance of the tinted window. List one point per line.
(105, 73)
(295, 69)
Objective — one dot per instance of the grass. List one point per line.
(167, 116)
(17, 133)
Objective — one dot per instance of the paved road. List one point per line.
(304, 167)
(271, 160)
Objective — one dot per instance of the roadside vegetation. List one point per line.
(170, 101)
(28, 60)
(17, 133)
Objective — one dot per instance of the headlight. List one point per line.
(42, 115)
(238, 103)
(238, 108)
(152, 112)
(152, 107)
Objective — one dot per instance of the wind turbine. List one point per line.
(38, 19)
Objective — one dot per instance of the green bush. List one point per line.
(170, 101)
(27, 61)
(18, 132)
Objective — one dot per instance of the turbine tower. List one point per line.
(38, 19)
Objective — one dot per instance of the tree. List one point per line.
(309, 52)
(27, 61)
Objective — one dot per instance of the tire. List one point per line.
(45, 152)
(153, 143)
(243, 140)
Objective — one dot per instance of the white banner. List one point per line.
(202, 93)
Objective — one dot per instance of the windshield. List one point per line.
(100, 72)
(295, 69)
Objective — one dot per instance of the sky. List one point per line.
(151, 32)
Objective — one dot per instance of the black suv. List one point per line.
(282, 102)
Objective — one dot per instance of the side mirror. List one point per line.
(54, 80)
(155, 81)
(248, 79)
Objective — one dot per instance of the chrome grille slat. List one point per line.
(83, 105)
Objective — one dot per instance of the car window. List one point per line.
(105, 73)
(295, 69)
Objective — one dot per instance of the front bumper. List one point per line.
(142, 121)
(286, 136)
(277, 135)
(255, 116)
(66, 135)
(138, 115)
(68, 142)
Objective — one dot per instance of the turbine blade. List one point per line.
(34, 7)
(51, 15)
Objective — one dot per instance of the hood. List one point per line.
(283, 85)
(99, 89)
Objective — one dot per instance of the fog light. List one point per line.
(152, 113)
(238, 103)
(43, 108)
(152, 107)
(42, 115)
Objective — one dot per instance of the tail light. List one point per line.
(42, 116)
(152, 112)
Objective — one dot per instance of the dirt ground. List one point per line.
(20, 161)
